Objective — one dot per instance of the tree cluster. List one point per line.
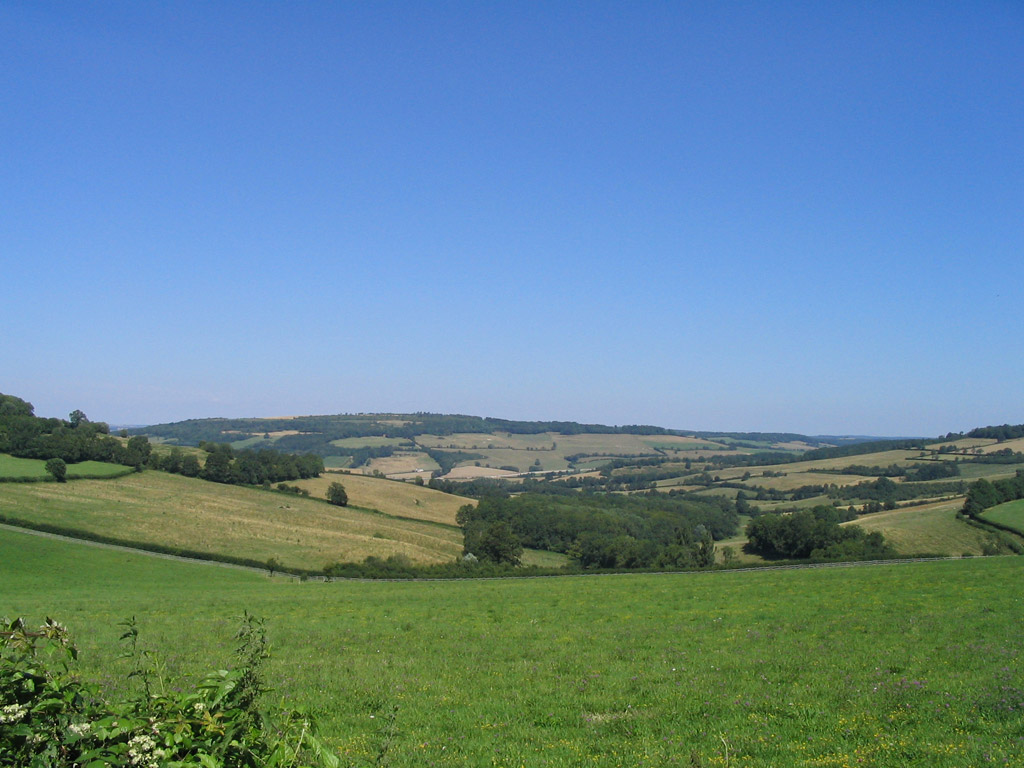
(983, 493)
(600, 531)
(76, 439)
(1000, 433)
(814, 533)
(247, 467)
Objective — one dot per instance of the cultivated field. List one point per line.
(194, 514)
(886, 666)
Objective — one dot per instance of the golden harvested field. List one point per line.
(1014, 445)
(470, 472)
(223, 519)
(470, 441)
(392, 497)
(503, 457)
(965, 443)
(368, 442)
(797, 479)
(882, 459)
(564, 444)
(401, 463)
(793, 445)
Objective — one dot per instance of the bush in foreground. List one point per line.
(49, 717)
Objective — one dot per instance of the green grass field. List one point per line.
(887, 666)
(13, 467)
(1010, 514)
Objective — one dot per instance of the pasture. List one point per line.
(888, 666)
(1010, 514)
(928, 528)
(391, 497)
(14, 467)
(194, 514)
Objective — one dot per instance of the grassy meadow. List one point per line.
(390, 497)
(197, 515)
(1010, 514)
(932, 528)
(14, 467)
(913, 665)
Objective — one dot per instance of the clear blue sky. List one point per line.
(739, 216)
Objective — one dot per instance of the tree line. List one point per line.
(1000, 433)
(598, 531)
(246, 467)
(71, 440)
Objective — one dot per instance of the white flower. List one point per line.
(12, 713)
(80, 729)
(142, 752)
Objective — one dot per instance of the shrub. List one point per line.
(49, 717)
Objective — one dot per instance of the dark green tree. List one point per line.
(138, 450)
(218, 467)
(58, 469)
(190, 465)
(172, 461)
(498, 544)
(336, 495)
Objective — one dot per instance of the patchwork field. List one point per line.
(551, 449)
(197, 515)
(886, 666)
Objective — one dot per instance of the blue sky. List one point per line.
(736, 216)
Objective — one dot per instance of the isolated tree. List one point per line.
(76, 417)
(336, 495)
(58, 469)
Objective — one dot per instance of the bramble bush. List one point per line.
(50, 718)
